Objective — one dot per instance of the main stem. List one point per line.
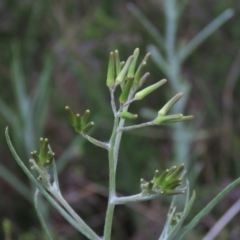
(112, 155)
(113, 159)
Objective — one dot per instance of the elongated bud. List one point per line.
(164, 110)
(78, 125)
(139, 73)
(43, 149)
(140, 69)
(146, 91)
(122, 64)
(111, 71)
(131, 70)
(49, 160)
(187, 118)
(143, 79)
(35, 156)
(184, 118)
(177, 171)
(168, 119)
(124, 70)
(127, 115)
(71, 115)
(88, 127)
(85, 118)
(117, 62)
(162, 176)
(126, 89)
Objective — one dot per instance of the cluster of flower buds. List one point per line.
(162, 118)
(45, 157)
(129, 78)
(124, 74)
(165, 183)
(79, 123)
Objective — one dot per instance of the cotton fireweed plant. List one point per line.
(130, 79)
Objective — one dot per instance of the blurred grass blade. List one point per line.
(69, 152)
(41, 93)
(158, 59)
(147, 24)
(19, 84)
(7, 112)
(208, 208)
(205, 33)
(15, 182)
(40, 97)
(41, 219)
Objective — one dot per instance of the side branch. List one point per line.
(147, 124)
(96, 142)
(134, 198)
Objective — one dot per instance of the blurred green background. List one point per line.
(55, 53)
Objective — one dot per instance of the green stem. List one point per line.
(134, 198)
(147, 124)
(113, 155)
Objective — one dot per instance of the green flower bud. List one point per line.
(164, 110)
(85, 118)
(146, 91)
(117, 62)
(165, 183)
(71, 115)
(127, 115)
(45, 157)
(111, 71)
(168, 119)
(35, 156)
(122, 64)
(43, 150)
(126, 89)
(143, 79)
(78, 125)
(124, 70)
(140, 69)
(88, 127)
(131, 70)
(49, 159)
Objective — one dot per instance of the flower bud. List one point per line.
(164, 110)
(117, 62)
(43, 150)
(88, 127)
(126, 89)
(45, 157)
(78, 125)
(127, 115)
(140, 69)
(146, 91)
(124, 70)
(165, 183)
(71, 115)
(131, 70)
(85, 118)
(111, 71)
(168, 119)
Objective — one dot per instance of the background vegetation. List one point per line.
(55, 53)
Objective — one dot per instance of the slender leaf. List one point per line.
(208, 208)
(205, 33)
